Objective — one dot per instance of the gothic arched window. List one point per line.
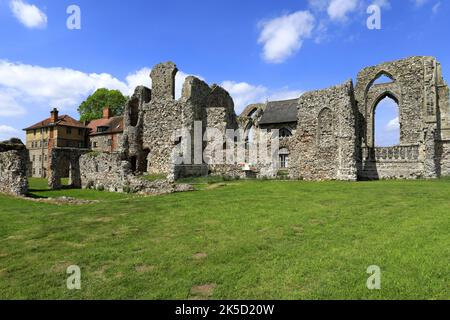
(285, 133)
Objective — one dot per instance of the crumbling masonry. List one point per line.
(13, 168)
(324, 135)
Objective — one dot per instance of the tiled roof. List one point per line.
(64, 120)
(114, 125)
(280, 112)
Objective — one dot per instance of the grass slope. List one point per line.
(246, 240)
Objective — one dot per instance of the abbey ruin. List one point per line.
(323, 135)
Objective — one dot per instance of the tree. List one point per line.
(92, 108)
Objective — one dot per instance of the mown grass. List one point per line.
(251, 239)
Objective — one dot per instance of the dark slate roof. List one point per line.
(280, 112)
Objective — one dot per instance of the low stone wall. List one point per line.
(13, 168)
(387, 170)
(108, 171)
(398, 162)
(444, 150)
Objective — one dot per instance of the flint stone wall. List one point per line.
(422, 96)
(108, 171)
(444, 155)
(13, 168)
(324, 146)
(64, 163)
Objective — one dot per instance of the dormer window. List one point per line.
(102, 129)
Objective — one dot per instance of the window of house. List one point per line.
(34, 158)
(284, 161)
(34, 132)
(45, 157)
(40, 158)
(80, 144)
(284, 158)
(69, 130)
(101, 129)
(80, 132)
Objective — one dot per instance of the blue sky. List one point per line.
(257, 50)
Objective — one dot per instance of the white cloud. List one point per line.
(7, 132)
(25, 86)
(436, 7)
(419, 3)
(382, 3)
(283, 36)
(339, 9)
(139, 78)
(29, 15)
(28, 92)
(393, 125)
(245, 94)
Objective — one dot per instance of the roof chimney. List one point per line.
(107, 113)
(54, 115)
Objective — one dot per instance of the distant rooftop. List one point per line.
(285, 111)
(64, 120)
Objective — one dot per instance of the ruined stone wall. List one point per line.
(444, 156)
(131, 144)
(163, 116)
(65, 163)
(422, 96)
(108, 171)
(325, 144)
(13, 168)
(334, 137)
(410, 87)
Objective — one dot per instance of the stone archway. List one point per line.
(371, 115)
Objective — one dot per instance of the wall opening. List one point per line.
(383, 78)
(134, 112)
(387, 122)
(144, 166)
(133, 161)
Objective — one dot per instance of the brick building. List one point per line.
(54, 132)
(105, 133)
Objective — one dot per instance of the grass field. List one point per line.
(232, 240)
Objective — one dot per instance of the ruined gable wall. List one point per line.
(412, 88)
(13, 168)
(420, 91)
(165, 117)
(325, 144)
(162, 116)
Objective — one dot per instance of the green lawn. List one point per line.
(245, 239)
